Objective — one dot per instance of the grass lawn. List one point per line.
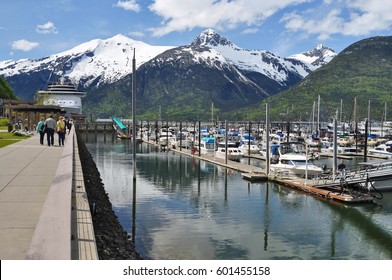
(7, 138)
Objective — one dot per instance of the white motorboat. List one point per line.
(381, 150)
(346, 151)
(183, 141)
(166, 138)
(290, 158)
(233, 152)
(207, 146)
(248, 145)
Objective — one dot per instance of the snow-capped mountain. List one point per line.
(91, 64)
(209, 70)
(263, 62)
(211, 66)
(316, 57)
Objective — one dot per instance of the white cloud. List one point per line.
(219, 14)
(250, 31)
(47, 28)
(136, 34)
(129, 5)
(24, 45)
(345, 17)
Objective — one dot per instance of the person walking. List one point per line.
(41, 130)
(342, 175)
(50, 129)
(69, 124)
(60, 128)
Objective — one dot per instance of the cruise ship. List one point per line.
(63, 94)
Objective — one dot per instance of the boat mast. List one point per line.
(267, 129)
(212, 113)
(368, 118)
(355, 115)
(318, 116)
(385, 111)
(134, 113)
(314, 105)
(341, 110)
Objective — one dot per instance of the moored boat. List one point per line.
(381, 150)
(249, 145)
(291, 158)
(233, 152)
(207, 146)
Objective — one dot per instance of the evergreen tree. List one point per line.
(6, 91)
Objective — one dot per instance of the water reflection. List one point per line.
(182, 208)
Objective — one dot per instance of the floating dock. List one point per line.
(328, 190)
(254, 176)
(320, 188)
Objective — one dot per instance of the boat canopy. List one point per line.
(247, 138)
(208, 140)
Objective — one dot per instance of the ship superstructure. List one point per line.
(63, 94)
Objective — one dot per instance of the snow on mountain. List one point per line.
(261, 61)
(109, 59)
(101, 62)
(316, 57)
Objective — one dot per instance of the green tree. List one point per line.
(6, 91)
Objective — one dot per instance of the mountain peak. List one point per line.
(317, 57)
(210, 37)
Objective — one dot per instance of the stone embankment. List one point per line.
(113, 242)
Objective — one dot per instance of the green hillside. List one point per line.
(363, 70)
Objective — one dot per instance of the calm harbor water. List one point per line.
(183, 208)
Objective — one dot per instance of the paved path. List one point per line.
(27, 171)
(36, 182)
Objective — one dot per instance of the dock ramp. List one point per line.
(120, 128)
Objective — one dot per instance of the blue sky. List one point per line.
(35, 29)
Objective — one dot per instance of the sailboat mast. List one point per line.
(341, 111)
(314, 105)
(318, 116)
(385, 111)
(134, 113)
(355, 115)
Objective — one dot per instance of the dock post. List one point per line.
(226, 139)
(199, 139)
(180, 136)
(250, 128)
(335, 148)
(366, 141)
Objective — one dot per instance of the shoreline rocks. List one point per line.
(113, 242)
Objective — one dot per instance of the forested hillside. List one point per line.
(362, 70)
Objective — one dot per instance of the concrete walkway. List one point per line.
(35, 216)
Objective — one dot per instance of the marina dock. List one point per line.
(329, 190)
